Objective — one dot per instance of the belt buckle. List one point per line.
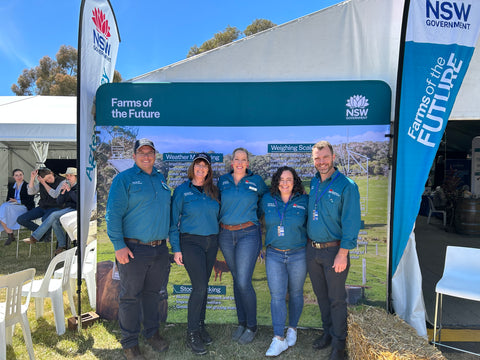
(318, 245)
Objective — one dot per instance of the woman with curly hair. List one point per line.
(285, 210)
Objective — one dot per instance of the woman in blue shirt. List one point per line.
(194, 240)
(18, 202)
(240, 239)
(285, 210)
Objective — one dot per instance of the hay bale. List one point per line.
(375, 334)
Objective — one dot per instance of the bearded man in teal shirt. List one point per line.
(332, 227)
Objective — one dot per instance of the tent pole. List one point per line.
(394, 149)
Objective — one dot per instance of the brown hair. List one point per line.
(208, 186)
(241, 149)
(323, 144)
(44, 172)
(14, 171)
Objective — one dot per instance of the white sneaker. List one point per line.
(277, 347)
(291, 336)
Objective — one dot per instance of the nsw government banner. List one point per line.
(98, 43)
(439, 43)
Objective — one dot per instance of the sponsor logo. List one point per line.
(333, 192)
(447, 14)
(101, 33)
(357, 108)
(299, 206)
(271, 205)
(188, 193)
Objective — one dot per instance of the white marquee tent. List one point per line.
(26, 119)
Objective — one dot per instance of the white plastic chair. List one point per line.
(54, 288)
(13, 310)
(433, 210)
(89, 271)
(461, 279)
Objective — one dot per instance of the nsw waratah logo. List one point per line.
(102, 34)
(357, 108)
(101, 22)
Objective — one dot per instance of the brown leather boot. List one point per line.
(158, 343)
(133, 353)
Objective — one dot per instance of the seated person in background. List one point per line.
(18, 202)
(48, 186)
(66, 201)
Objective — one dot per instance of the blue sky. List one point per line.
(154, 33)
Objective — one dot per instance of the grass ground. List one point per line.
(101, 340)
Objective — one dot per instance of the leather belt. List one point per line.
(151, 243)
(282, 250)
(237, 227)
(323, 245)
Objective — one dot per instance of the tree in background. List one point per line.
(229, 35)
(258, 25)
(50, 77)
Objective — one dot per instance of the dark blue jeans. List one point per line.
(240, 249)
(329, 287)
(141, 280)
(286, 271)
(199, 254)
(36, 213)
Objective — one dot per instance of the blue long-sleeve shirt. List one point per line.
(138, 207)
(292, 216)
(239, 203)
(338, 210)
(193, 212)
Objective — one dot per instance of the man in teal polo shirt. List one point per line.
(332, 227)
(138, 219)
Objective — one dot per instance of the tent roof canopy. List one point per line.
(38, 118)
(335, 43)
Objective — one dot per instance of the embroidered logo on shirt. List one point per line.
(249, 182)
(136, 182)
(299, 206)
(271, 205)
(165, 186)
(188, 193)
(333, 193)
(252, 188)
(225, 182)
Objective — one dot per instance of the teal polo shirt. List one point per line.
(338, 210)
(193, 212)
(292, 216)
(138, 207)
